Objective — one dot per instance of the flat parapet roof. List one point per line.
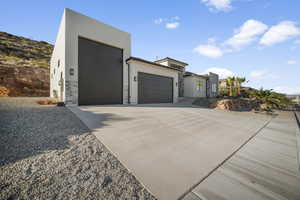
(194, 74)
(149, 62)
(171, 59)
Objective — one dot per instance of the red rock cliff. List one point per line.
(24, 66)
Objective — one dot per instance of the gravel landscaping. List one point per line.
(46, 152)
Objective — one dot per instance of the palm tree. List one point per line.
(239, 81)
(230, 84)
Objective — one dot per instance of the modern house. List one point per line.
(92, 64)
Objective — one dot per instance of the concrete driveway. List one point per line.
(170, 149)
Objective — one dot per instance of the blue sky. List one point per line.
(258, 39)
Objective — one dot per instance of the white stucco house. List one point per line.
(92, 64)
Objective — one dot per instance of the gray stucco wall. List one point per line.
(57, 85)
(194, 86)
(72, 26)
(180, 84)
(212, 85)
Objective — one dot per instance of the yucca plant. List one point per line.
(239, 81)
(230, 82)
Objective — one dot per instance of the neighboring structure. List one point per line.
(297, 100)
(92, 64)
(196, 85)
(294, 98)
(222, 84)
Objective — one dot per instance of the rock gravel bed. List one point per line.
(46, 152)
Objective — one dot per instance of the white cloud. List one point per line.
(211, 51)
(262, 74)
(292, 62)
(172, 25)
(222, 72)
(219, 5)
(158, 21)
(212, 40)
(281, 32)
(258, 75)
(287, 90)
(246, 34)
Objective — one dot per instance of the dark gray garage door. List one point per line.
(100, 77)
(154, 88)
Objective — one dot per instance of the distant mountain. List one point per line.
(24, 66)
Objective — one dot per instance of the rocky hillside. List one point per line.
(24, 66)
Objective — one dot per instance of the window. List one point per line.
(214, 87)
(199, 85)
(58, 63)
(176, 66)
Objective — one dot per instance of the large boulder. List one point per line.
(235, 104)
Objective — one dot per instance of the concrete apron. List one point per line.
(170, 149)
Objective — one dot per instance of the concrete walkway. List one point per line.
(265, 168)
(169, 149)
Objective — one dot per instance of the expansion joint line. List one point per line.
(224, 161)
(298, 139)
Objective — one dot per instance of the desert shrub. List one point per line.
(270, 99)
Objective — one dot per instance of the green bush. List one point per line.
(270, 99)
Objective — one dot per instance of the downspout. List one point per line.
(128, 83)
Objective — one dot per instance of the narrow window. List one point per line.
(214, 87)
(58, 63)
(199, 85)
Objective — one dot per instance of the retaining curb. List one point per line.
(297, 116)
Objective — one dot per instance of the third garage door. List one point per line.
(154, 88)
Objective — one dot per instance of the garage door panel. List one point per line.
(154, 88)
(100, 73)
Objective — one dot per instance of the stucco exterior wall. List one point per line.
(213, 79)
(136, 66)
(58, 55)
(74, 25)
(192, 88)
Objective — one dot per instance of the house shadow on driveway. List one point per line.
(28, 129)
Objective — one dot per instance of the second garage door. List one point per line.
(154, 88)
